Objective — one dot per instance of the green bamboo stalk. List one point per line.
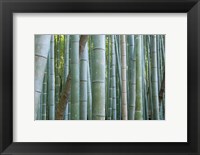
(42, 44)
(75, 78)
(58, 51)
(69, 108)
(83, 83)
(57, 64)
(132, 80)
(119, 47)
(69, 101)
(109, 81)
(118, 99)
(108, 107)
(47, 68)
(144, 98)
(161, 110)
(127, 72)
(160, 75)
(158, 60)
(124, 87)
(161, 60)
(66, 57)
(146, 110)
(90, 54)
(113, 82)
(51, 82)
(164, 107)
(119, 79)
(44, 93)
(162, 37)
(106, 61)
(139, 104)
(149, 77)
(146, 83)
(154, 80)
(66, 90)
(39, 112)
(98, 78)
(110, 93)
(89, 99)
(66, 115)
(66, 69)
(163, 48)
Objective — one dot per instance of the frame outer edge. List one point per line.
(6, 77)
(1, 79)
(198, 50)
(193, 74)
(2, 145)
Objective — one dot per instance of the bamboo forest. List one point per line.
(99, 77)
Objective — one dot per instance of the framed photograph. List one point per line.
(99, 77)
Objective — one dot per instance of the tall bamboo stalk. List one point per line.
(98, 78)
(44, 98)
(69, 100)
(51, 81)
(113, 82)
(149, 77)
(154, 80)
(83, 83)
(109, 80)
(89, 99)
(132, 81)
(124, 87)
(139, 81)
(57, 65)
(42, 45)
(65, 95)
(66, 57)
(145, 100)
(75, 78)
(119, 79)
(66, 70)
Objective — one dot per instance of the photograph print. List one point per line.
(99, 77)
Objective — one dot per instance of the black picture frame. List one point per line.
(8, 7)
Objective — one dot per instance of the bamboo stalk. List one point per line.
(83, 83)
(75, 111)
(124, 87)
(98, 78)
(139, 103)
(132, 80)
